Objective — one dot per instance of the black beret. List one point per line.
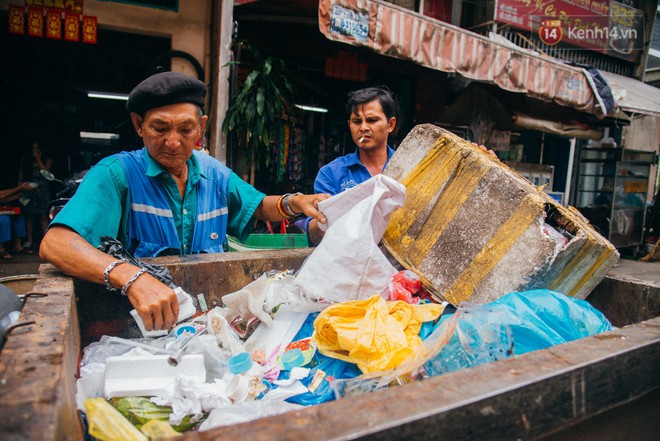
(166, 88)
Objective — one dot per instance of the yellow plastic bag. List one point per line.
(374, 334)
(107, 424)
(157, 430)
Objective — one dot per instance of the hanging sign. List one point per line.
(54, 24)
(16, 20)
(35, 22)
(67, 5)
(605, 26)
(89, 29)
(71, 27)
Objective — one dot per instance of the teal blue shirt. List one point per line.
(101, 204)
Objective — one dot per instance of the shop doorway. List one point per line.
(45, 85)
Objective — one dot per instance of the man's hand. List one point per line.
(154, 302)
(309, 205)
(483, 148)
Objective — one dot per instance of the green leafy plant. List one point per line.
(256, 115)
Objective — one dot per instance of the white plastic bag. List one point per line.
(347, 264)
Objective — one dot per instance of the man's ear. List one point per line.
(391, 124)
(202, 124)
(136, 119)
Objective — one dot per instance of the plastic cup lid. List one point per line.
(292, 358)
(184, 329)
(238, 388)
(239, 363)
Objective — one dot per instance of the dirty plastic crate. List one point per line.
(474, 230)
(268, 242)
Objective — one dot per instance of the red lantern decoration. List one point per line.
(54, 24)
(71, 27)
(89, 29)
(16, 20)
(35, 22)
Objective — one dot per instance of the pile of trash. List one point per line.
(341, 326)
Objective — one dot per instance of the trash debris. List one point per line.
(347, 264)
(107, 424)
(374, 334)
(148, 375)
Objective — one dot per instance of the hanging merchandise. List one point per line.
(296, 152)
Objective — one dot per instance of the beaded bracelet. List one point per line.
(280, 208)
(106, 273)
(133, 278)
(288, 208)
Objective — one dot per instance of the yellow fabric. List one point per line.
(107, 424)
(374, 334)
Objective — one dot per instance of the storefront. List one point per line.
(54, 83)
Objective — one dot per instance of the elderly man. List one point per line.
(164, 199)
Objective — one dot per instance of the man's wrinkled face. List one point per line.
(170, 133)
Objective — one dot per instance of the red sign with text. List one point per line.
(605, 26)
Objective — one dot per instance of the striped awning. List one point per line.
(634, 96)
(401, 33)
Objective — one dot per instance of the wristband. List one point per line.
(106, 273)
(285, 199)
(133, 278)
(280, 207)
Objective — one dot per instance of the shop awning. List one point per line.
(634, 96)
(401, 33)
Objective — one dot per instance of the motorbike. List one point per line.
(70, 185)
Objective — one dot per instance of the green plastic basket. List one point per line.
(268, 242)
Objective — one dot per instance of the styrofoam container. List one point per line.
(138, 376)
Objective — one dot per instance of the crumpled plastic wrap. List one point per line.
(190, 397)
(141, 410)
(347, 264)
(246, 411)
(113, 247)
(375, 334)
(107, 424)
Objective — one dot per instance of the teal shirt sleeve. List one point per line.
(242, 200)
(97, 208)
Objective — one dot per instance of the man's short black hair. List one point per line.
(369, 94)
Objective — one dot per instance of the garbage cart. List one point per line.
(606, 386)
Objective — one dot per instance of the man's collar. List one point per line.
(354, 157)
(154, 169)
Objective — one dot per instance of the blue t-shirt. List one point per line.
(343, 173)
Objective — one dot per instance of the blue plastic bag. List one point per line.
(330, 368)
(515, 324)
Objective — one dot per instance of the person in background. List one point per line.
(36, 207)
(371, 118)
(166, 198)
(12, 226)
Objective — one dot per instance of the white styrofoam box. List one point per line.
(137, 376)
